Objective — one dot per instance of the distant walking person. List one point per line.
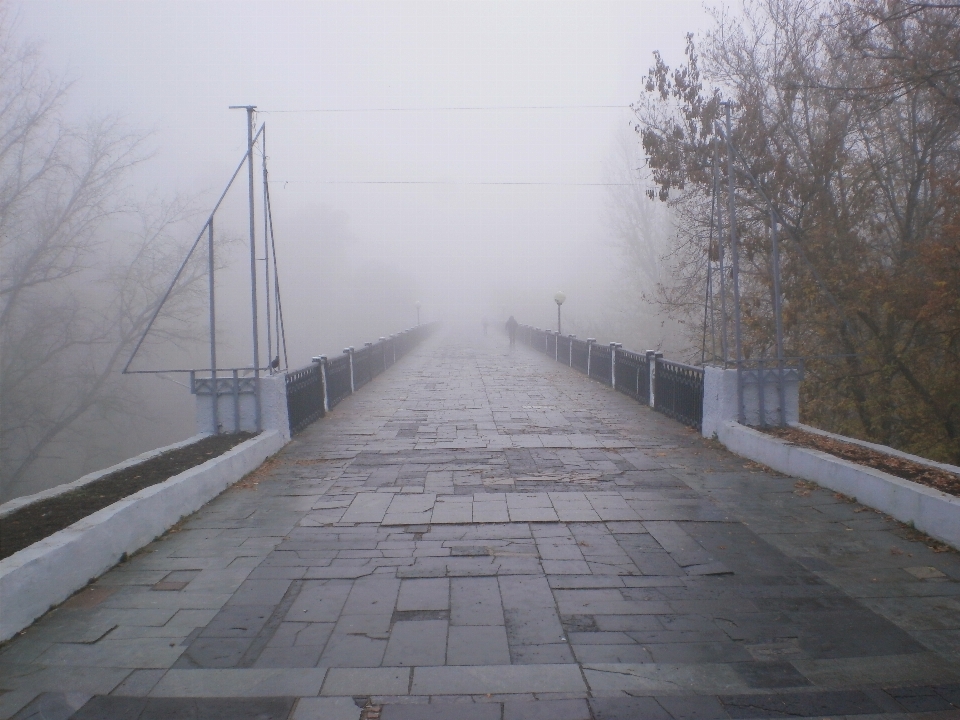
(512, 331)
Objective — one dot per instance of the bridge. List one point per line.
(482, 532)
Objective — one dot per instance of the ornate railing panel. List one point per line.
(678, 388)
(304, 397)
(580, 355)
(679, 392)
(600, 363)
(633, 375)
(537, 339)
(525, 335)
(384, 356)
(362, 371)
(338, 379)
(305, 387)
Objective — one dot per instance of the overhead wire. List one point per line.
(451, 108)
(449, 182)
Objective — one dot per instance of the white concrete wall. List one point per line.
(48, 572)
(929, 510)
(273, 397)
(720, 399)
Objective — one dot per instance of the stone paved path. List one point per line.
(493, 530)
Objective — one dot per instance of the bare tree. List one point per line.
(643, 233)
(81, 265)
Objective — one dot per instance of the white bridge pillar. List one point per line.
(761, 394)
(237, 406)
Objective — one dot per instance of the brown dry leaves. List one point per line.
(252, 479)
(907, 469)
(804, 487)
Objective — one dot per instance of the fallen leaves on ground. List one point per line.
(936, 478)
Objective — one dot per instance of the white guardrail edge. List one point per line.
(929, 510)
(12, 506)
(41, 576)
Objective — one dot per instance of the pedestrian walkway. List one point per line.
(486, 534)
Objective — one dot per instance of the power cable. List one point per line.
(448, 182)
(454, 108)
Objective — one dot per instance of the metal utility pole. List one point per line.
(777, 313)
(735, 249)
(214, 395)
(724, 344)
(253, 263)
(266, 256)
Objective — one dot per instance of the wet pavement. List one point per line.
(490, 529)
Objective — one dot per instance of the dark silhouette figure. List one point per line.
(512, 330)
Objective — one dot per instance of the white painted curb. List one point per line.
(51, 570)
(931, 511)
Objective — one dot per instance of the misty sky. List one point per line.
(391, 126)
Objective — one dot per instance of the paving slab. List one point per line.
(497, 679)
(240, 683)
(326, 708)
(487, 530)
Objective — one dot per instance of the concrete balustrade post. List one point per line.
(613, 363)
(321, 360)
(240, 403)
(349, 352)
(651, 370)
(570, 339)
(721, 399)
(652, 358)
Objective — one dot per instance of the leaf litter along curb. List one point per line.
(33, 523)
(935, 478)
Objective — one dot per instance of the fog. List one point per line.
(464, 155)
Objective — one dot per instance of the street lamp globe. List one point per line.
(558, 299)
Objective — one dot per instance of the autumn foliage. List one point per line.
(847, 117)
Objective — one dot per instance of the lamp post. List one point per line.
(417, 306)
(558, 299)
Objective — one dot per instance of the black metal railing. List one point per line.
(362, 370)
(580, 355)
(564, 343)
(304, 397)
(600, 363)
(313, 390)
(338, 379)
(678, 388)
(633, 375)
(678, 391)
